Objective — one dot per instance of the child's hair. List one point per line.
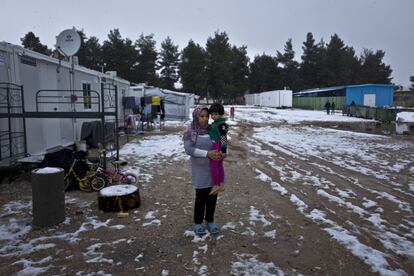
(216, 108)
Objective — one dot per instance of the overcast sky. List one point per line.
(262, 25)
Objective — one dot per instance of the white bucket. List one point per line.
(80, 145)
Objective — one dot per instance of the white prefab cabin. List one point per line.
(275, 98)
(37, 73)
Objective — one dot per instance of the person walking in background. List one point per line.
(232, 113)
(351, 108)
(327, 107)
(333, 108)
(198, 144)
(218, 134)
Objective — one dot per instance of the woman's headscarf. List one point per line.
(194, 129)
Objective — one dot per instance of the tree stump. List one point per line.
(118, 198)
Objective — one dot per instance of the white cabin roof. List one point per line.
(8, 47)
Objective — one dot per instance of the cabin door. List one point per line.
(369, 100)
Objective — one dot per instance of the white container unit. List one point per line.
(257, 99)
(36, 72)
(249, 99)
(270, 98)
(286, 98)
(277, 98)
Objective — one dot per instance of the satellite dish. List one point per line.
(68, 42)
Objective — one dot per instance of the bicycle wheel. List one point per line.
(85, 186)
(98, 183)
(129, 178)
(67, 182)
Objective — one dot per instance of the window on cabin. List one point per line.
(87, 100)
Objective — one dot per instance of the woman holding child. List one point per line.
(198, 144)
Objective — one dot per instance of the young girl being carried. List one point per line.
(218, 134)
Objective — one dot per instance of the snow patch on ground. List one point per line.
(156, 149)
(248, 264)
(368, 203)
(155, 222)
(275, 186)
(292, 116)
(256, 216)
(262, 176)
(14, 229)
(196, 238)
(29, 267)
(229, 225)
(270, 234)
(358, 152)
(150, 215)
(376, 259)
(299, 203)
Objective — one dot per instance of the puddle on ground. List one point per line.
(378, 128)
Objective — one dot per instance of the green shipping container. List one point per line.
(318, 103)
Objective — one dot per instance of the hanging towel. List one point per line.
(156, 100)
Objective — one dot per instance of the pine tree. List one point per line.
(168, 64)
(308, 67)
(334, 52)
(324, 73)
(412, 83)
(264, 74)
(239, 66)
(93, 58)
(373, 68)
(32, 42)
(192, 69)
(119, 55)
(341, 63)
(145, 68)
(81, 54)
(290, 67)
(352, 67)
(218, 51)
(311, 70)
(90, 52)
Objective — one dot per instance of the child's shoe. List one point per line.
(215, 190)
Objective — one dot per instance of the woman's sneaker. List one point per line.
(212, 228)
(199, 229)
